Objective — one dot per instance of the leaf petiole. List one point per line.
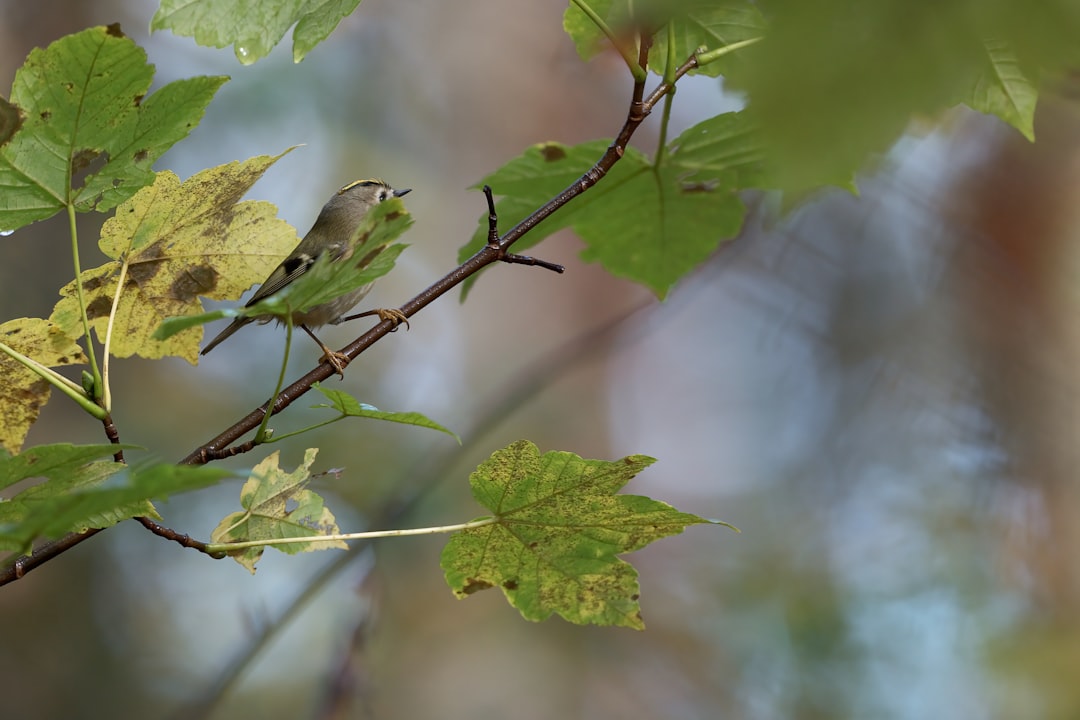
(629, 55)
(107, 392)
(670, 66)
(82, 300)
(262, 435)
(442, 529)
(704, 58)
(61, 383)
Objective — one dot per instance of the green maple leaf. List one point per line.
(708, 25)
(651, 223)
(80, 107)
(559, 530)
(696, 25)
(253, 27)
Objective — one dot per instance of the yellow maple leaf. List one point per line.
(172, 244)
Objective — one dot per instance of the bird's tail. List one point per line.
(233, 327)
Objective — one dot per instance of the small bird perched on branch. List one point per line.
(332, 233)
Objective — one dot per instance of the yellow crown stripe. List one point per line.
(369, 181)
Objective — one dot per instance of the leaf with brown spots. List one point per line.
(22, 392)
(174, 243)
(278, 504)
(560, 529)
(11, 120)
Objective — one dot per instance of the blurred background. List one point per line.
(879, 391)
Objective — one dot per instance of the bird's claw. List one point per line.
(337, 360)
(395, 316)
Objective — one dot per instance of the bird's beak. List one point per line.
(399, 193)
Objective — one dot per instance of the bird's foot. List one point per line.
(337, 360)
(395, 316)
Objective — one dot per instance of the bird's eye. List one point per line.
(383, 195)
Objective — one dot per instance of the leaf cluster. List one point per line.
(80, 134)
(827, 86)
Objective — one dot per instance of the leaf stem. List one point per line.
(82, 302)
(61, 383)
(442, 529)
(261, 435)
(309, 428)
(106, 390)
(713, 55)
(670, 67)
(626, 53)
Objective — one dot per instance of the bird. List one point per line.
(331, 234)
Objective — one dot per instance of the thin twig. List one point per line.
(493, 217)
(512, 259)
(182, 539)
(114, 437)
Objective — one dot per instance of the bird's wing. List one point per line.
(290, 269)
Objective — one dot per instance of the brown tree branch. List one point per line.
(182, 539)
(114, 437)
